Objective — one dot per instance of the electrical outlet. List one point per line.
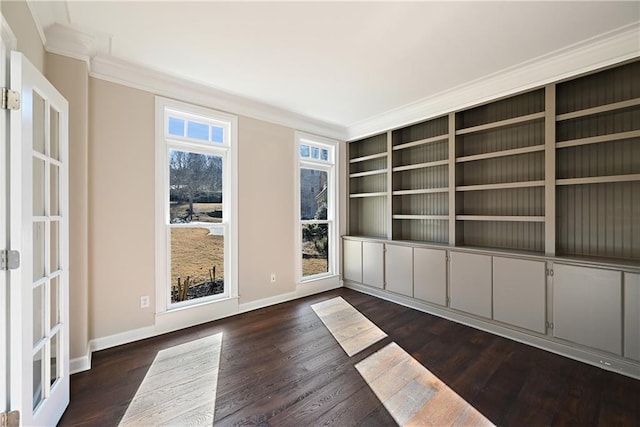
(144, 301)
(273, 277)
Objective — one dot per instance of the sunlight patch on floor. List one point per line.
(351, 329)
(180, 386)
(412, 395)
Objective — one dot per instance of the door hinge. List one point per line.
(549, 272)
(549, 325)
(10, 419)
(10, 99)
(9, 260)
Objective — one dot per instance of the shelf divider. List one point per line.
(599, 179)
(421, 142)
(503, 153)
(420, 191)
(501, 123)
(599, 109)
(369, 157)
(368, 173)
(500, 186)
(420, 165)
(599, 139)
(510, 218)
(360, 195)
(437, 217)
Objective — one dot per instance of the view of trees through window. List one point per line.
(315, 227)
(195, 207)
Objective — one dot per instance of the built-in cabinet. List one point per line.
(470, 284)
(587, 306)
(520, 214)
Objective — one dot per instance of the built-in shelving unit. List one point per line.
(500, 173)
(551, 170)
(368, 170)
(420, 179)
(598, 164)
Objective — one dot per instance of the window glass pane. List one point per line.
(198, 131)
(176, 126)
(324, 154)
(315, 152)
(38, 313)
(38, 250)
(38, 123)
(54, 194)
(54, 245)
(217, 134)
(54, 302)
(313, 194)
(304, 151)
(54, 365)
(54, 144)
(315, 249)
(38, 187)
(195, 187)
(38, 378)
(197, 262)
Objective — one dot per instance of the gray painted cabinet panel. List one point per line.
(430, 275)
(352, 260)
(373, 264)
(632, 316)
(519, 296)
(471, 283)
(587, 306)
(399, 269)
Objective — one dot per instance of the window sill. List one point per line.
(191, 315)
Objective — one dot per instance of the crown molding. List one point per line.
(606, 49)
(159, 83)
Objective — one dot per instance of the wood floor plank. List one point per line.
(280, 366)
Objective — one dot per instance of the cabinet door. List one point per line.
(352, 260)
(399, 269)
(471, 283)
(632, 316)
(373, 264)
(430, 275)
(519, 293)
(587, 306)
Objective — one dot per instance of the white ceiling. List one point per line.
(337, 62)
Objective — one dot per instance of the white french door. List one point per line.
(38, 224)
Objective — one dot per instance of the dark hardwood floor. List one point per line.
(280, 366)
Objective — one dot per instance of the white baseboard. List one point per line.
(180, 319)
(591, 357)
(80, 364)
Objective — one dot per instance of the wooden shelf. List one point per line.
(437, 217)
(421, 142)
(369, 157)
(420, 165)
(510, 218)
(420, 191)
(500, 186)
(368, 173)
(599, 139)
(597, 110)
(501, 123)
(599, 179)
(492, 155)
(361, 195)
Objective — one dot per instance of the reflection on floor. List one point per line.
(351, 329)
(180, 386)
(413, 395)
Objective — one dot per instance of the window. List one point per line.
(195, 204)
(316, 207)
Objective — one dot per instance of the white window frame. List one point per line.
(229, 225)
(332, 201)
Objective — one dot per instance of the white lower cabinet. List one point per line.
(632, 316)
(399, 269)
(373, 264)
(430, 275)
(519, 293)
(470, 283)
(352, 260)
(587, 306)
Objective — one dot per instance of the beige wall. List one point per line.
(121, 208)
(266, 217)
(71, 78)
(19, 17)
